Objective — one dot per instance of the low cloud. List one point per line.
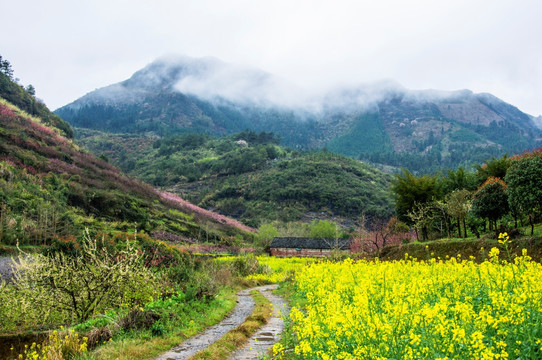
(216, 81)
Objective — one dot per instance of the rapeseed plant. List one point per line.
(432, 309)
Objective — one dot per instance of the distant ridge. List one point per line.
(383, 123)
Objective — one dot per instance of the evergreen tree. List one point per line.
(411, 191)
(525, 186)
(5, 68)
(491, 201)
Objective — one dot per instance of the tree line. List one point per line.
(505, 189)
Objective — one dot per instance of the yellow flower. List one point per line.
(494, 253)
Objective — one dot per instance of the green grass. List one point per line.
(471, 246)
(142, 345)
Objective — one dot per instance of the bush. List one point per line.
(71, 289)
(246, 265)
(57, 347)
(324, 229)
(69, 246)
(201, 286)
(196, 278)
(138, 319)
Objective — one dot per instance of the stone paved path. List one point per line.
(244, 307)
(262, 341)
(5, 267)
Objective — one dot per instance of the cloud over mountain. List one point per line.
(179, 94)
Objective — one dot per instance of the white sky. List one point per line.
(66, 48)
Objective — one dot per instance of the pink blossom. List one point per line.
(172, 198)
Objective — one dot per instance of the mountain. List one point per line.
(250, 177)
(50, 187)
(382, 122)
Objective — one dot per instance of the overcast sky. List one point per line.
(66, 48)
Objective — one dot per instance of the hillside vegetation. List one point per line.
(24, 99)
(51, 188)
(84, 239)
(249, 176)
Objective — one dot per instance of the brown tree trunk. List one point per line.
(458, 228)
(425, 237)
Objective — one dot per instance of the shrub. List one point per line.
(98, 336)
(197, 278)
(138, 318)
(201, 286)
(75, 288)
(68, 246)
(57, 347)
(324, 229)
(246, 265)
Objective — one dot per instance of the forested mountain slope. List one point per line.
(249, 176)
(383, 123)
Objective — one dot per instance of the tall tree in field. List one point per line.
(411, 191)
(421, 217)
(491, 201)
(459, 180)
(458, 205)
(524, 179)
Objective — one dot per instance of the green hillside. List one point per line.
(249, 176)
(367, 127)
(24, 99)
(50, 188)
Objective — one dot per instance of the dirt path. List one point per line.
(269, 334)
(258, 345)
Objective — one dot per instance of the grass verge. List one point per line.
(142, 345)
(477, 248)
(235, 338)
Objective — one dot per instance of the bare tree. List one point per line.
(458, 204)
(422, 215)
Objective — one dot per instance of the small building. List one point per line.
(307, 247)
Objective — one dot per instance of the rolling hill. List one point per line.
(250, 177)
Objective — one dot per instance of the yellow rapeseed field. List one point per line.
(275, 269)
(433, 309)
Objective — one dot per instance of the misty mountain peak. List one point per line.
(184, 84)
(207, 78)
(166, 71)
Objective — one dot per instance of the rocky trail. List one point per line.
(262, 341)
(6, 271)
(258, 345)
